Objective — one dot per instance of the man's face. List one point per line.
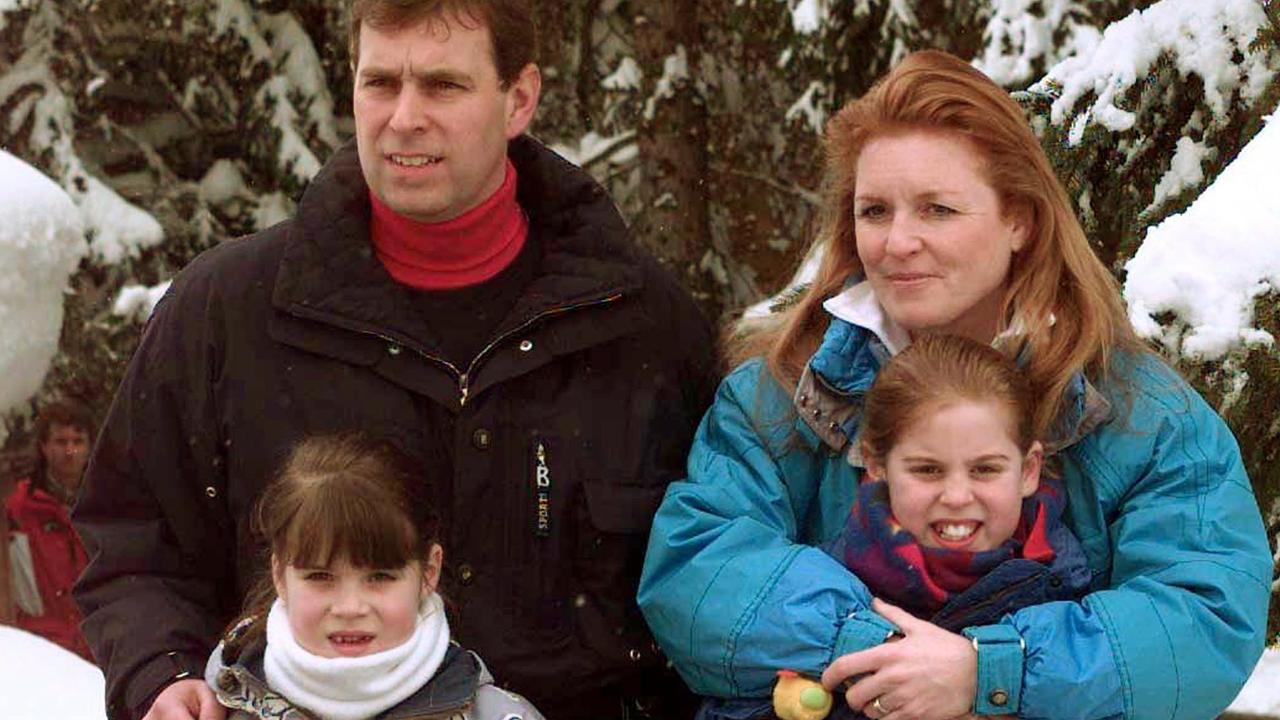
(432, 118)
(66, 451)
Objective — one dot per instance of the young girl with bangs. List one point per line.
(955, 520)
(348, 625)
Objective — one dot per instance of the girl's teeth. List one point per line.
(955, 532)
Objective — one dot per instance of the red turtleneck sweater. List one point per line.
(467, 250)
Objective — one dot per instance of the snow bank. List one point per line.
(41, 243)
(1206, 265)
(41, 681)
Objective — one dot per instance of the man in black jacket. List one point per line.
(447, 283)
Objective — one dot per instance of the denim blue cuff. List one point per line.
(862, 629)
(1000, 659)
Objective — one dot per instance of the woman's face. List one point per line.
(932, 235)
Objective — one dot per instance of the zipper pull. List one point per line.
(464, 389)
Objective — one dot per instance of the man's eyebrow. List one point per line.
(442, 74)
(421, 76)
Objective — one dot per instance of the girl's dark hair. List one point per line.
(937, 370)
(345, 496)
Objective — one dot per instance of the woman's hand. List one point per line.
(927, 674)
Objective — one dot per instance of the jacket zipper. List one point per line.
(464, 387)
(1000, 595)
(464, 377)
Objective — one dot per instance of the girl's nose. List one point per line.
(349, 603)
(956, 491)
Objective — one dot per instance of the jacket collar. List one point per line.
(330, 273)
(829, 396)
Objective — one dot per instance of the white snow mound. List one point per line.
(1207, 264)
(41, 681)
(41, 242)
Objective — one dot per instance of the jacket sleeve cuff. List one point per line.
(1000, 663)
(862, 629)
(150, 679)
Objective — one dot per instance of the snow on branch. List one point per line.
(298, 80)
(1022, 36)
(1210, 40)
(137, 302)
(1206, 265)
(675, 70)
(117, 229)
(807, 16)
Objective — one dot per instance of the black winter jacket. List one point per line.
(561, 437)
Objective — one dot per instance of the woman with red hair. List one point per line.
(943, 215)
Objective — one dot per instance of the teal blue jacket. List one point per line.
(734, 587)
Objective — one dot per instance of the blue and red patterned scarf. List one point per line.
(919, 579)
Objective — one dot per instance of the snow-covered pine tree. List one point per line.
(1139, 125)
(211, 115)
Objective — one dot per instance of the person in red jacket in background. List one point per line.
(46, 555)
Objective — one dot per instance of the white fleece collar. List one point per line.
(358, 687)
(858, 305)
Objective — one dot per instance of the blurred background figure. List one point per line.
(45, 554)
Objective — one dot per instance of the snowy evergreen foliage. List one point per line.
(189, 123)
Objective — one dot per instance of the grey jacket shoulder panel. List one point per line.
(494, 703)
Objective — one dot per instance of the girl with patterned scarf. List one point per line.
(955, 520)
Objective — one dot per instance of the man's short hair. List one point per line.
(511, 27)
(64, 413)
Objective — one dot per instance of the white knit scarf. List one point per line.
(355, 688)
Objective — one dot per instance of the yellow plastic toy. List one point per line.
(796, 697)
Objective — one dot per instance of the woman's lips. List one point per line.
(908, 279)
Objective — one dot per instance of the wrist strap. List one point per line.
(1000, 657)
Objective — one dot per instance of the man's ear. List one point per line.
(1031, 466)
(277, 577)
(522, 99)
(431, 569)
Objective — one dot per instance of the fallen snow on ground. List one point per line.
(41, 243)
(1208, 264)
(1261, 696)
(41, 681)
